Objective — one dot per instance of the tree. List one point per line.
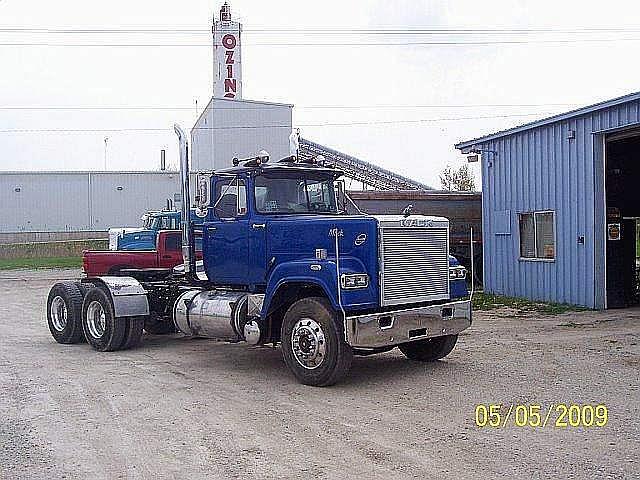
(460, 180)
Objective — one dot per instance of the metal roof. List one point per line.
(555, 118)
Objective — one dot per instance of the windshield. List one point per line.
(295, 194)
(160, 222)
(147, 222)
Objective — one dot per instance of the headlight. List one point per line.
(354, 280)
(457, 273)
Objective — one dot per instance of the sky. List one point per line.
(409, 102)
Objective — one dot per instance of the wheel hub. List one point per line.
(308, 343)
(96, 319)
(58, 313)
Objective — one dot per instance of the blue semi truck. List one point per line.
(144, 238)
(285, 264)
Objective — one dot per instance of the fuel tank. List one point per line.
(215, 314)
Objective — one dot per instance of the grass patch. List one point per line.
(35, 263)
(487, 301)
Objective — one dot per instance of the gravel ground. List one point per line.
(184, 408)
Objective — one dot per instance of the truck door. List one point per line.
(258, 251)
(225, 239)
(169, 249)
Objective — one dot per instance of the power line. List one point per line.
(325, 30)
(329, 44)
(240, 127)
(314, 107)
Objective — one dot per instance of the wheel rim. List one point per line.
(59, 313)
(96, 319)
(308, 343)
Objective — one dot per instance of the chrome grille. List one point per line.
(415, 264)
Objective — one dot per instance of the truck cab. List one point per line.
(145, 237)
(270, 224)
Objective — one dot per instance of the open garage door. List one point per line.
(622, 184)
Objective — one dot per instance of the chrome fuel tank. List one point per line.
(211, 313)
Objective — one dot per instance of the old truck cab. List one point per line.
(145, 237)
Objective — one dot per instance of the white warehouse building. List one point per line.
(79, 201)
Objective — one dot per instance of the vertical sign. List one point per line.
(227, 75)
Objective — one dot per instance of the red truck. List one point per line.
(168, 254)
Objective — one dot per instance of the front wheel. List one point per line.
(430, 349)
(312, 343)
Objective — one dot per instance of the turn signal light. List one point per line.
(457, 273)
(354, 280)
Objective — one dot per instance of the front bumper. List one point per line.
(401, 326)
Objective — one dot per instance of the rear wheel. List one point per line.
(84, 287)
(134, 327)
(312, 343)
(430, 349)
(64, 313)
(103, 330)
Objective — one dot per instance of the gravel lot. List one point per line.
(184, 408)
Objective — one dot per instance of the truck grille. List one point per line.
(415, 265)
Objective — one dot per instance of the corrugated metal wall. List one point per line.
(541, 168)
(239, 128)
(72, 201)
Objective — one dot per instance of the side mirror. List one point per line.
(203, 195)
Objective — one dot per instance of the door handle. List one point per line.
(258, 225)
(166, 256)
(211, 229)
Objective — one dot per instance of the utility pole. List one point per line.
(106, 140)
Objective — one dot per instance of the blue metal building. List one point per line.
(561, 204)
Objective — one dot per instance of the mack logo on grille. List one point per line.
(416, 222)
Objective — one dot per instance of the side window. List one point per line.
(231, 198)
(527, 236)
(172, 243)
(537, 235)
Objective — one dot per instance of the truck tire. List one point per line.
(64, 313)
(157, 327)
(84, 288)
(313, 346)
(103, 330)
(430, 349)
(133, 332)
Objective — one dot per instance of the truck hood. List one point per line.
(295, 241)
(288, 240)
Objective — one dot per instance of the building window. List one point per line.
(537, 235)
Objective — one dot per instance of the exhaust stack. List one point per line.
(188, 250)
